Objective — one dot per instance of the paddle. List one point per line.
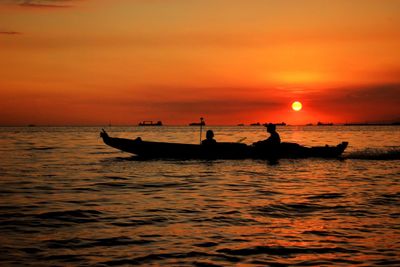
(201, 127)
(241, 139)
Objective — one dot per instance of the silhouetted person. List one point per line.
(209, 138)
(273, 139)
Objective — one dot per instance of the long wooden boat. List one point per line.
(220, 150)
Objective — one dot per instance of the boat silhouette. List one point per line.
(221, 150)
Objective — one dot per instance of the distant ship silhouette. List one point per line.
(150, 123)
(197, 123)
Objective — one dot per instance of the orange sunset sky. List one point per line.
(92, 62)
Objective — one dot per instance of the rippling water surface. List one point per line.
(67, 199)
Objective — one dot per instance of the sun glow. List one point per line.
(297, 106)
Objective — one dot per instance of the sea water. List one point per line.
(67, 199)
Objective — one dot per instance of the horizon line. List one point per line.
(394, 123)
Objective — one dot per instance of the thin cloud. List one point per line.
(351, 95)
(221, 106)
(10, 32)
(43, 3)
(366, 103)
(228, 106)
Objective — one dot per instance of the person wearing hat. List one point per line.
(274, 138)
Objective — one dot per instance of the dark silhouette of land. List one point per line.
(266, 124)
(324, 124)
(372, 124)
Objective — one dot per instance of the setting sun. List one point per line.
(297, 106)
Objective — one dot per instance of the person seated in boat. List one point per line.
(274, 138)
(209, 138)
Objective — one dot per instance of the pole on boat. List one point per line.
(201, 127)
